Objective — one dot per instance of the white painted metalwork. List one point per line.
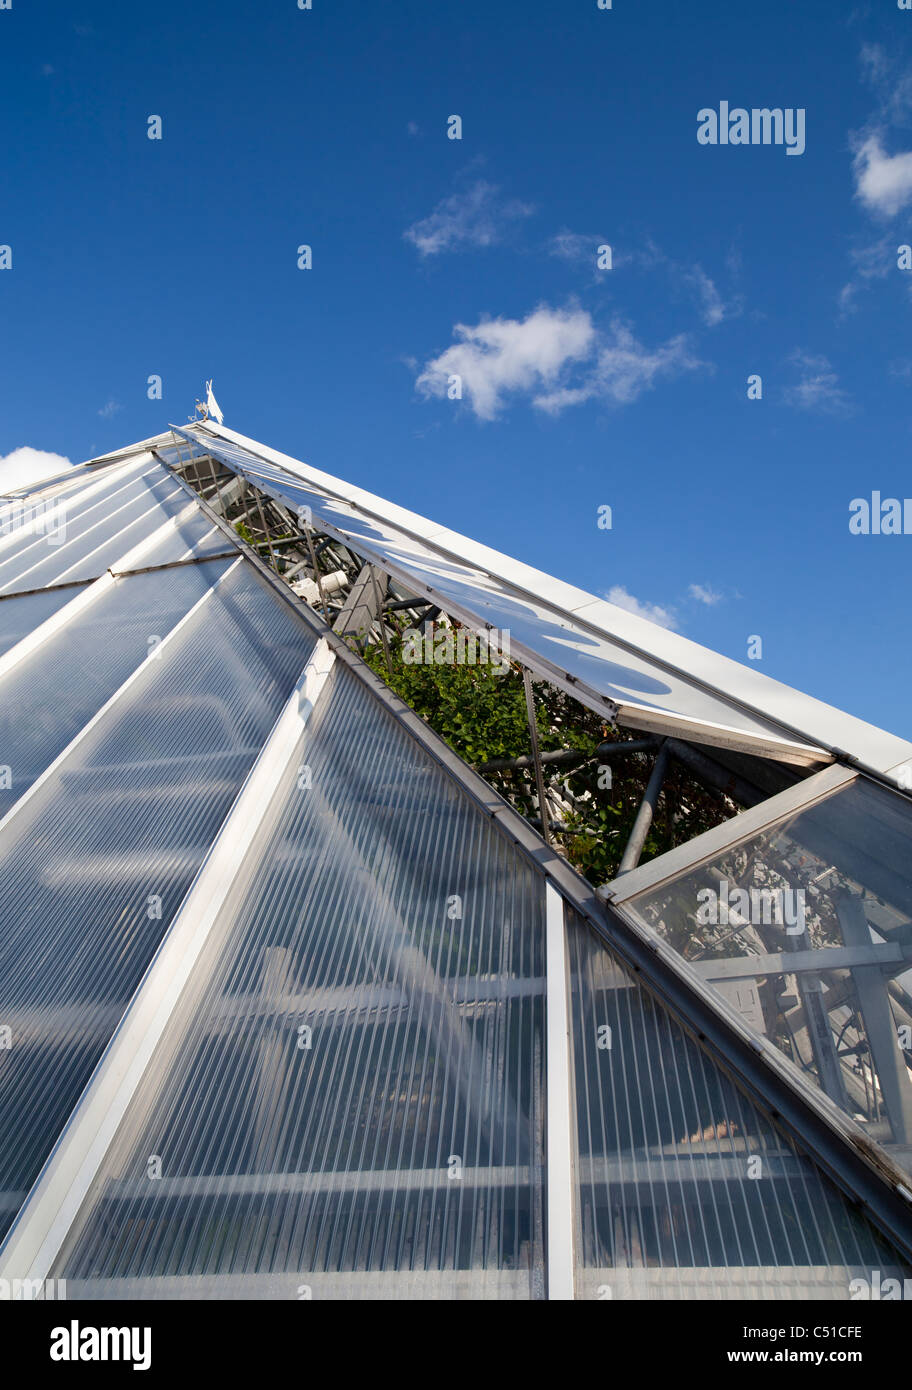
(671, 685)
(561, 1223)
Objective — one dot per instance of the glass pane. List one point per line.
(806, 928)
(348, 1098)
(20, 616)
(685, 1189)
(94, 866)
(71, 676)
(81, 541)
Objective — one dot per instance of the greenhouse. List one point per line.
(297, 1001)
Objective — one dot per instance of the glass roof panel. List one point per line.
(80, 540)
(685, 1188)
(96, 863)
(348, 1097)
(21, 615)
(66, 680)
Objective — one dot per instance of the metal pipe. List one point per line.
(568, 757)
(399, 604)
(646, 812)
(536, 756)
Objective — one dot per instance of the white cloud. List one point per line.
(893, 87)
(475, 217)
(499, 356)
(25, 466)
(111, 408)
(704, 594)
(873, 262)
(713, 307)
(574, 246)
(623, 370)
(875, 63)
(818, 386)
(536, 355)
(653, 612)
(882, 182)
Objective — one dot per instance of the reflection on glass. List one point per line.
(806, 928)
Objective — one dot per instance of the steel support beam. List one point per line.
(880, 1027)
(536, 756)
(645, 814)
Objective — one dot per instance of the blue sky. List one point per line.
(433, 257)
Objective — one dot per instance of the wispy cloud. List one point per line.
(576, 247)
(817, 388)
(623, 370)
(696, 283)
(704, 594)
(109, 410)
(475, 216)
(557, 357)
(652, 612)
(499, 357)
(874, 261)
(713, 306)
(25, 466)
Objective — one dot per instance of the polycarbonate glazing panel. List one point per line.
(47, 524)
(195, 536)
(424, 560)
(65, 682)
(806, 928)
(94, 866)
(85, 540)
(685, 1188)
(44, 511)
(20, 616)
(11, 503)
(348, 1096)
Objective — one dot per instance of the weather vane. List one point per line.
(211, 410)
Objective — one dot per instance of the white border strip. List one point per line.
(561, 1229)
(53, 1204)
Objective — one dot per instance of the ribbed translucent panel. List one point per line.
(11, 507)
(42, 512)
(18, 616)
(685, 1189)
(348, 1098)
(194, 536)
(94, 866)
(68, 679)
(80, 539)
